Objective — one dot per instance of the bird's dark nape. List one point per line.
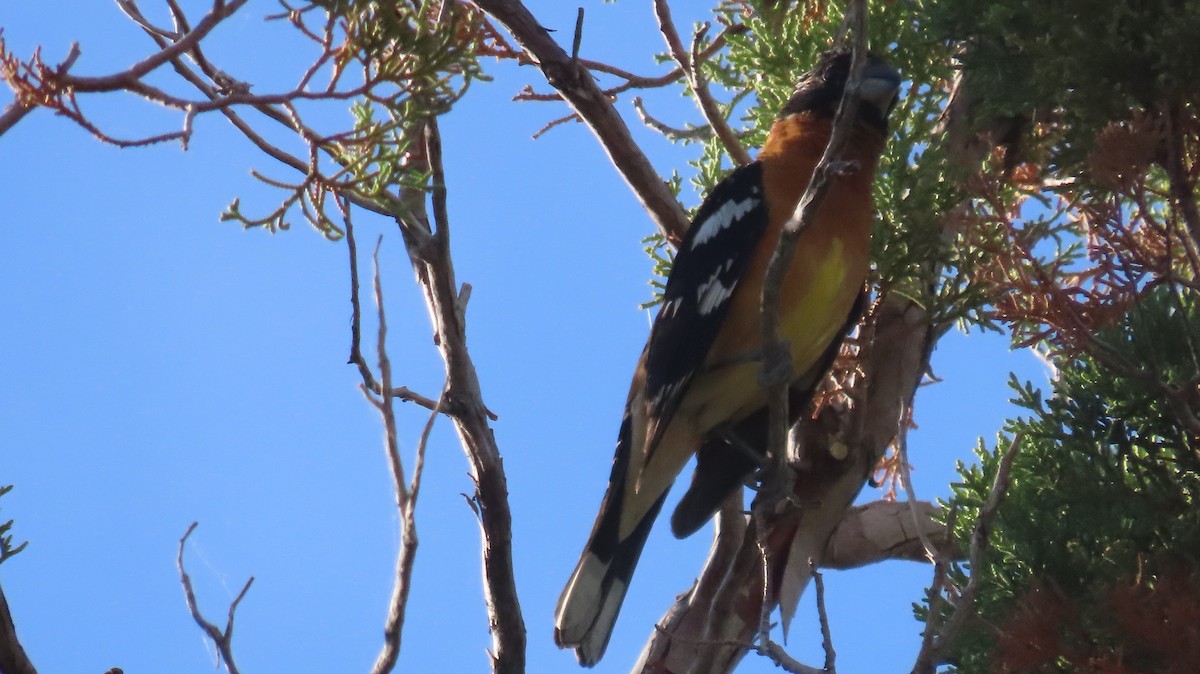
(820, 90)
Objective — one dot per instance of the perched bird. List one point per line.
(696, 387)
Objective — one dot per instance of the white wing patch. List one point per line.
(712, 293)
(724, 217)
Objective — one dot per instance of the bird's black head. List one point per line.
(819, 91)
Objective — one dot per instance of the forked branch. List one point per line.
(222, 639)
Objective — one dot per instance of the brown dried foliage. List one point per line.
(1148, 623)
(1033, 635)
(1129, 244)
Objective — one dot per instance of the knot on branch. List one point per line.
(565, 75)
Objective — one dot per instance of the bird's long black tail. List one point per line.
(592, 599)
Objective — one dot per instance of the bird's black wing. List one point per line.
(707, 269)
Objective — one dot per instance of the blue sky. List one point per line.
(161, 367)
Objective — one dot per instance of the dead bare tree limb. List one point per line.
(574, 82)
(406, 494)
(881, 530)
(463, 398)
(823, 617)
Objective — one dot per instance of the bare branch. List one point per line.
(573, 117)
(633, 80)
(776, 369)
(575, 84)
(933, 619)
(384, 404)
(222, 639)
(575, 44)
(881, 530)
(964, 603)
(670, 132)
(185, 43)
(13, 659)
(823, 617)
(689, 62)
(406, 495)
(463, 401)
(902, 426)
(14, 113)
(402, 393)
(778, 655)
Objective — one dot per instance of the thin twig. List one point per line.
(933, 618)
(356, 357)
(384, 403)
(401, 393)
(910, 492)
(573, 117)
(690, 62)
(823, 616)
(406, 494)
(222, 639)
(221, 10)
(575, 44)
(766, 605)
(964, 603)
(778, 655)
(669, 132)
(633, 80)
(226, 93)
(776, 369)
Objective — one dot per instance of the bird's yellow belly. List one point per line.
(817, 297)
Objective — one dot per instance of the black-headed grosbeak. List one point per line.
(696, 388)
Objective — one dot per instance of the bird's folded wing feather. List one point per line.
(707, 269)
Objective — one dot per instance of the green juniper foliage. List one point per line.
(1095, 553)
(1079, 63)
(1106, 483)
